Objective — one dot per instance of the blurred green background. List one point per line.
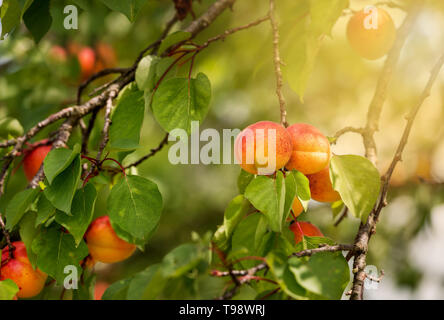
(410, 236)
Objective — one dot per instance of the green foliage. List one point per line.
(55, 249)
(82, 211)
(179, 101)
(357, 181)
(10, 127)
(62, 189)
(135, 206)
(127, 119)
(8, 289)
(19, 205)
(268, 196)
(172, 39)
(129, 8)
(58, 160)
(38, 19)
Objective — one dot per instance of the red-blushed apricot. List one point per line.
(103, 243)
(33, 161)
(19, 269)
(301, 229)
(321, 188)
(371, 35)
(87, 61)
(263, 147)
(311, 149)
(100, 289)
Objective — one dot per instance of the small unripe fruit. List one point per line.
(311, 149)
(321, 188)
(103, 243)
(33, 161)
(255, 151)
(370, 38)
(19, 269)
(301, 229)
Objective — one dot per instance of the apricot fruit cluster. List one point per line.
(265, 147)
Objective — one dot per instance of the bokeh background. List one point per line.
(409, 244)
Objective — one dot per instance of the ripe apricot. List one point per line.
(33, 161)
(100, 289)
(301, 229)
(87, 61)
(103, 243)
(263, 147)
(20, 270)
(297, 207)
(321, 188)
(371, 34)
(311, 149)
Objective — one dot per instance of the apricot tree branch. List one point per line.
(380, 95)
(277, 64)
(368, 229)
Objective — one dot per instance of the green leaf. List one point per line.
(8, 289)
(172, 39)
(10, 127)
(58, 160)
(181, 260)
(268, 196)
(127, 119)
(28, 232)
(18, 205)
(82, 210)
(130, 8)
(146, 285)
(56, 249)
(326, 274)
(324, 14)
(357, 181)
(179, 101)
(86, 288)
(249, 235)
(62, 189)
(302, 188)
(337, 207)
(244, 180)
(38, 19)
(312, 243)
(118, 290)
(283, 276)
(11, 17)
(146, 73)
(45, 210)
(236, 210)
(135, 205)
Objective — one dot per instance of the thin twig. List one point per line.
(277, 65)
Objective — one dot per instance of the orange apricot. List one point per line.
(371, 34)
(321, 187)
(311, 149)
(103, 243)
(19, 269)
(263, 147)
(301, 229)
(33, 161)
(87, 61)
(297, 207)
